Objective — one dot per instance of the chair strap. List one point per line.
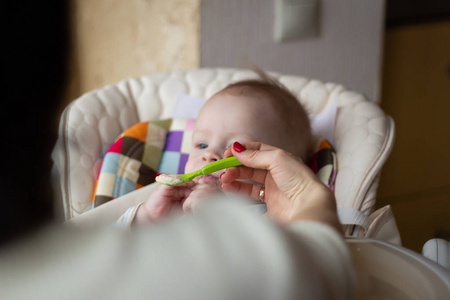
(352, 216)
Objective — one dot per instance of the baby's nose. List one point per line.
(211, 156)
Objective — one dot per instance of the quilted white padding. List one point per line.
(363, 133)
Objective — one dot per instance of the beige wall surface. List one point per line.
(347, 48)
(115, 39)
(416, 93)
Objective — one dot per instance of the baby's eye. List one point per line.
(202, 146)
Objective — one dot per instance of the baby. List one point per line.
(259, 110)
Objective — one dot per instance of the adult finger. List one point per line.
(253, 146)
(242, 172)
(247, 189)
(261, 156)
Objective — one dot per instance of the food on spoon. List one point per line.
(170, 179)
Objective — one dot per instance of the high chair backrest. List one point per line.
(363, 134)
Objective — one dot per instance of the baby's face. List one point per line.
(225, 119)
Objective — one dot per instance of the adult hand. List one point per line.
(292, 190)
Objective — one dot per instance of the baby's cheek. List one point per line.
(188, 167)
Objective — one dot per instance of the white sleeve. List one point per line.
(325, 259)
(125, 220)
(221, 252)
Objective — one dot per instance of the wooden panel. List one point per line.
(422, 217)
(416, 93)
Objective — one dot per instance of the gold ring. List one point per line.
(262, 192)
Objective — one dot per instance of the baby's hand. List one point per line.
(162, 201)
(200, 193)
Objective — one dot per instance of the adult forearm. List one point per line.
(222, 252)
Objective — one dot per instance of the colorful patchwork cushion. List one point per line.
(149, 148)
(323, 162)
(177, 147)
(139, 154)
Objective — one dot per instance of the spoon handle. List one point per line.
(219, 165)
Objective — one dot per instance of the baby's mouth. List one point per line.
(208, 179)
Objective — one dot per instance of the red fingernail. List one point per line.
(238, 147)
(223, 153)
(220, 177)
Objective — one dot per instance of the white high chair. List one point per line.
(363, 137)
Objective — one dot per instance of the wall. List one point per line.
(416, 93)
(348, 49)
(115, 39)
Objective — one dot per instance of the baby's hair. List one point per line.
(284, 103)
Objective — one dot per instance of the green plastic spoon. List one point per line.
(173, 179)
